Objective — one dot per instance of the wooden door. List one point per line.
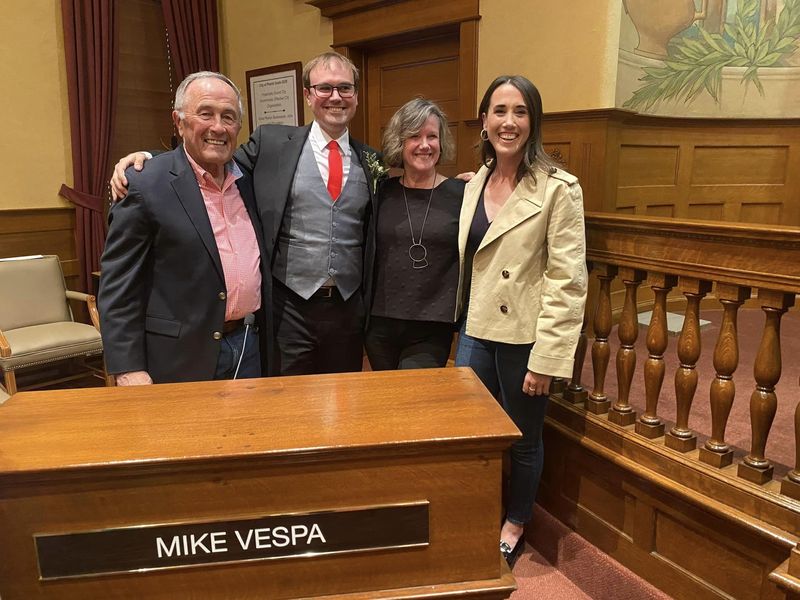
(396, 73)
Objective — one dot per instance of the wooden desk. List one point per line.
(83, 460)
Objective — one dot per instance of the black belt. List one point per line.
(230, 326)
(326, 292)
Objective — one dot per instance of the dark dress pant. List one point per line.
(324, 334)
(406, 344)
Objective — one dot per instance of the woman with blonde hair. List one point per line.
(416, 274)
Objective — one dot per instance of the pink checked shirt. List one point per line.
(236, 240)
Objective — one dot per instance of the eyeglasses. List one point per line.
(324, 90)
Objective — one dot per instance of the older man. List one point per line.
(314, 193)
(182, 275)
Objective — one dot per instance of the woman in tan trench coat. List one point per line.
(523, 280)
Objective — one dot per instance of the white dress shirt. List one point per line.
(319, 142)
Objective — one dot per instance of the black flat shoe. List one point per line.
(512, 554)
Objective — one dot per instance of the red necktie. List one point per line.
(334, 170)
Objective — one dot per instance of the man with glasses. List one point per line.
(315, 198)
(315, 195)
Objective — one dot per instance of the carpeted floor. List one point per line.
(561, 565)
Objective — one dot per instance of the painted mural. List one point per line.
(710, 58)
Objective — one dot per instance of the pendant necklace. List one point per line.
(417, 251)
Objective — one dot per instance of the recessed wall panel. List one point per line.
(660, 210)
(739, 165)
(707, 212)
(763, 213)
(642, 166)
(729, 571)
(435, 80)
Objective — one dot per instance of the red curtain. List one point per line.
(192, 28)
(90, 46)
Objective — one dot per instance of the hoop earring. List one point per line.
(484, 135)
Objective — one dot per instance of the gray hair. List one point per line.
(406, 122)
(180, 94)
(324, 60)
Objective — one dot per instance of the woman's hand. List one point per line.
(536, 384)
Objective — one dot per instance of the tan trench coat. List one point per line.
(529, 273)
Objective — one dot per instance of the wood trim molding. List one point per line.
(357, 22)
(358, 125)
(645, 505)
(468, 72)
(690, 480)
(338, 8)
(766, 257)
(635, 118)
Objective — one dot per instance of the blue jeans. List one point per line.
(230, 349)
(502, 369)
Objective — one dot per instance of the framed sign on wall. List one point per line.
(275, 95)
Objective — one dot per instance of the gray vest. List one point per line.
(320, 239)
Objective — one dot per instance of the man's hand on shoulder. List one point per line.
(133, 378)
(119, 183)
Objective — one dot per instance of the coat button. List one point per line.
(217, 335)
(506, 274)
(503, 308)
(222, 296)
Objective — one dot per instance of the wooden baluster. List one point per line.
(575, 393)
(557, 386)
(716, 452)
(767, 371)
(598, 401)
(680, 437)
(621, 412)
(791, 483)
(649, 425)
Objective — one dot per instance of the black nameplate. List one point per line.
(145, 547)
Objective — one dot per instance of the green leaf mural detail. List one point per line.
(694, 64)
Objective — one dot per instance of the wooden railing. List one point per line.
(730, 262)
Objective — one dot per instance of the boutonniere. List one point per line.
(376, 168)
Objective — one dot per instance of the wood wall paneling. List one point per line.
(590, 136)
(676, 537)
(41, 231)
(408, 48)
(742, 170)
(401, 72)
(398, 72)
(733, 573)
(373, 21)
(358, 125)
(468, 72)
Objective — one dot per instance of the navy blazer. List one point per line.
(161, 291)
